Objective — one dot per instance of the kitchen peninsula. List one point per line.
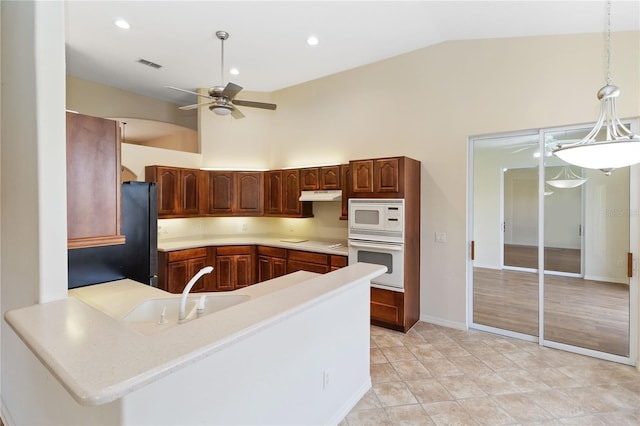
(267, 360)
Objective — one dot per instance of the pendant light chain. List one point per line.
(608, 42)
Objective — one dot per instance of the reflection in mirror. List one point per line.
(505, 210)
(159, 134)
(586, 298)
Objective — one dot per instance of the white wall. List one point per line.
(33, 181)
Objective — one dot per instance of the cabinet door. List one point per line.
(225, 276)
(386, 175)
(291, 192)
(273, 192)
(265, 268)
(180, 272)
(93, 181)
(243, 270)
(309, 179)
(168, 190)
(271, 267)
(362, 176)
(221, 191)
(387, 306)
(249, 190)
(279, 267)
(190, 192)
(330, 177)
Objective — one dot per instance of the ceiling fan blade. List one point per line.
(236, 113)
(188, 91)
(193, 106)
(231, 90)
(253, 104)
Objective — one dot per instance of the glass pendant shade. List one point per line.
(566, 179)
(620, 147)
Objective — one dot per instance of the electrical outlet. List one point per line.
(441, 237)
(244, 226)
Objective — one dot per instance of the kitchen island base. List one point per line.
(306, 364)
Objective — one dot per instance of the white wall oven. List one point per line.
(376, 235)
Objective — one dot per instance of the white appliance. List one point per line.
(376, 235)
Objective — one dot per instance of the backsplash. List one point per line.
(325, 225)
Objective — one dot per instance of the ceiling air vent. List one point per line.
(149, 63)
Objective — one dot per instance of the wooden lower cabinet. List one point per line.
(272, 262)
(176, 268)
(235, 266)
(306, 261)
(393, 309)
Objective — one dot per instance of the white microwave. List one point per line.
(376, 219)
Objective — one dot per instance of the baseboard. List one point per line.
(444, 322)
(350, 403)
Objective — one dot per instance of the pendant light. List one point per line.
(567, 178)
(620, 148)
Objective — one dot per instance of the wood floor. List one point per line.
(555, 259)
(584, 313)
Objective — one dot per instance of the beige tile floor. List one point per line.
(440, 376)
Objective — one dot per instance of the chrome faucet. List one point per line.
(183, 299)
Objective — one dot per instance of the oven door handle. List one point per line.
(376, 246)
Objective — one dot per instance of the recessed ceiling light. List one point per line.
(234, 71)
(121, 23)
(313, 41)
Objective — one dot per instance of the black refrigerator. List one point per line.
(137, 259)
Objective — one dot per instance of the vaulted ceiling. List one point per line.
(268, 39)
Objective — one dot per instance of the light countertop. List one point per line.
(98, 358)
(338, 247)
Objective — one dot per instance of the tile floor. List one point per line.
(440, 376)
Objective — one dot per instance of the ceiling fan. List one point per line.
(221, 98)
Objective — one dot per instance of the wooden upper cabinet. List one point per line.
(190, 181)
(179, 190)
(362, 176)
(221, 186)
(273, 192)
(330, 177)
(386, 175)
(168, 190)
(310, 179)
(93, 181)
(291, 192)
(249, 192)
(320, 178)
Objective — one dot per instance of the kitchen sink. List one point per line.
(155, 315)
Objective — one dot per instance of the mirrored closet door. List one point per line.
(551, 244)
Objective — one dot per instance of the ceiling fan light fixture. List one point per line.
(620, 148)
(221, 109)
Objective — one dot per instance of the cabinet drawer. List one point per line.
(272, 251)
(308, 257)
(295, 265)
(338, 261)
(187, 254)
(387, 306)
(228, 250)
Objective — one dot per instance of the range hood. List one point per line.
(333, 195)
